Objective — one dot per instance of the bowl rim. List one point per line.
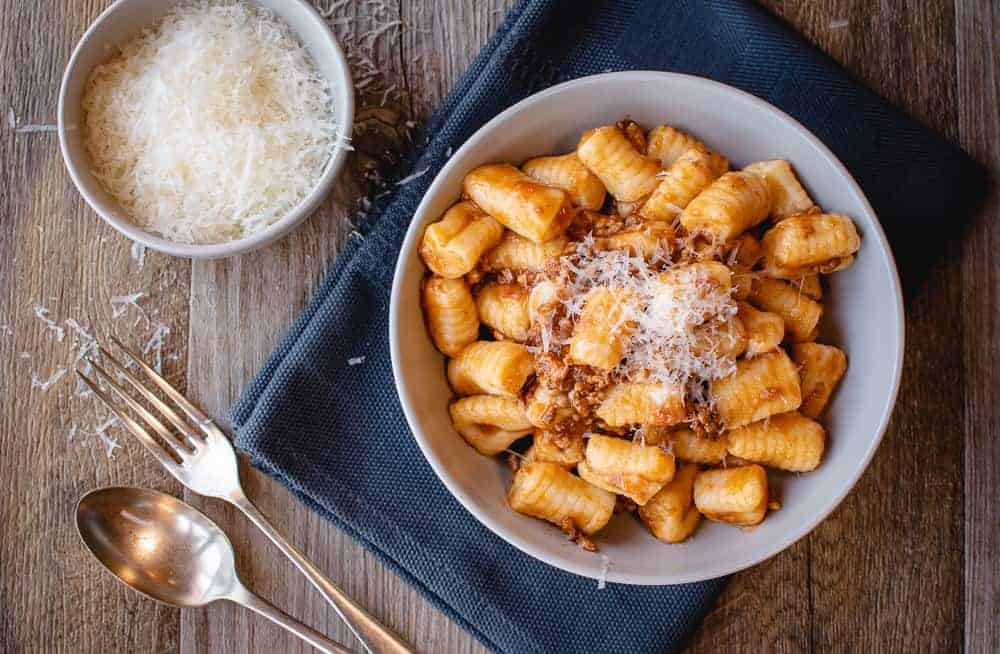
(279, 228)
(409, 249)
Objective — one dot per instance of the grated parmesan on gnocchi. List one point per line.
(652, 319)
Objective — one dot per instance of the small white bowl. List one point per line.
(864, 316)
(123, 20)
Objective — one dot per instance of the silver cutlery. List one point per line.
(171, 552)
(199, 455)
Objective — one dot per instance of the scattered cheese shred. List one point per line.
(30, 129)
(355, 361)
(86, 344)
(46, 384)
(409, 178)
(155, 345)
(43, 314)
(602, 580)
(211, 125)
(121, 303)
(139, 254)
(109, 443)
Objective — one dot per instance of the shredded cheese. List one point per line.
(674, 334)
(409, 178)
(139, 254)
(121, 303)
(110, 444)
(155, 345)
(211, 125)
(31, 129)
(602, 580)
(43, 314)
(46, 384)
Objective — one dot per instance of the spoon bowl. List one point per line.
(173, 553)
(158, 545)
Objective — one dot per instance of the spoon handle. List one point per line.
(245, 598)
(375, 637)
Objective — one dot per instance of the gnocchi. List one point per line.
(633, 325)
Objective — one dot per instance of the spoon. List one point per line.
(171, 552)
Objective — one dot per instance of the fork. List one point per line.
(200, 456)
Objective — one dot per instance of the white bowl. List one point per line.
(864, 316)
(123, 20)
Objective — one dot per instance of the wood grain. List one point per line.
(228, 348)
(978, 66)
(56, 254)
(894, 537)
(908, 562)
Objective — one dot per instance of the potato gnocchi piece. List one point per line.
(547, 408)
(744, 253)
(821, 368)
(629, 403)
(737, 495)
(452, 246)
(450, 313)
(487, 439)
(518, 254)
(728, 340)
(730, 205)
(708, 279)
(568, 173)
(789, 441)
(600, 329)
(667, 144)
(633, 133)
(491, 368)
(671, 515)
(533, 210)
(565, 450)
(799, 313)
(688, 176)
(689, 446)
(628, 175)
(760, 387)
(643, 242)
(548, 491)
(810, 243)
(504, 307)
(787, 195)
(543, 300)
(765, 330)
(490, 423)
(624, 467)
(498, 411)
(810, 286)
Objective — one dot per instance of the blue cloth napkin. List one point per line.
(335, 434)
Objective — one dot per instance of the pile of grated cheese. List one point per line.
(211, 125)
(675, 331)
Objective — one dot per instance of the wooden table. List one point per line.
(907, 563)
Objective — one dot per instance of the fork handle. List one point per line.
(244, 597)
(376, 638)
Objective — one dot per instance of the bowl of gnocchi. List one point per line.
(646, 328)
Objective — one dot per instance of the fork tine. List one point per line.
(193, 412)
(169, 439)
(150, 397)
(141, 434)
